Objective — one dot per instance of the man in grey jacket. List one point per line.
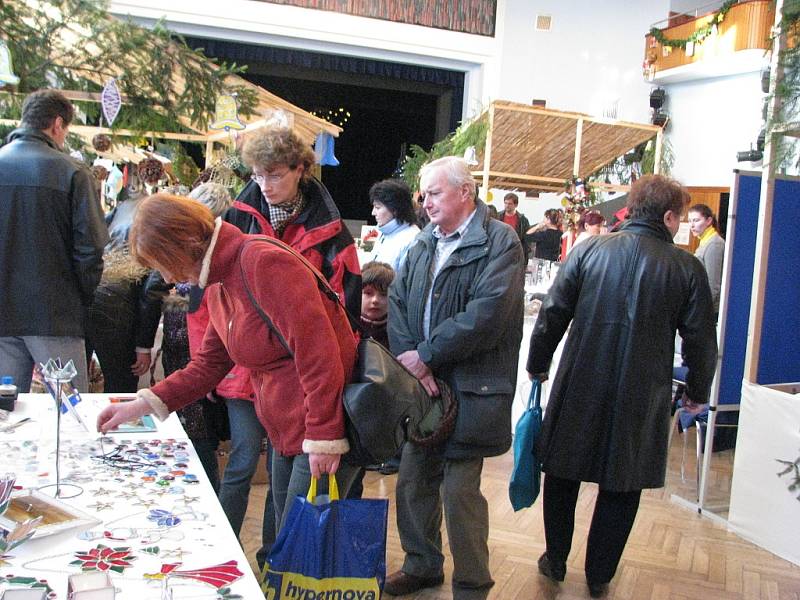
(52, 236)
(455, 316)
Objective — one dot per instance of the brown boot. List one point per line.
(401, 583)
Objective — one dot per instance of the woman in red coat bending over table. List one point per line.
(298, 389)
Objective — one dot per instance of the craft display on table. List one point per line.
(13, 533)
(42, 515)
(142, 528)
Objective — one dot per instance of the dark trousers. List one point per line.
(614, 513)
(111, 333)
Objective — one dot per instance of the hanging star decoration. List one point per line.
(103, 558)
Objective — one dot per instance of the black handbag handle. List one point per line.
(322, 284)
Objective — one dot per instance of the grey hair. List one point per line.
(456, 170)
(214, 196)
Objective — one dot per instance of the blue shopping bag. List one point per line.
(523, 489)
(329, 549)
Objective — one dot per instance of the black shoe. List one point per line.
(552, 570)
(389, 468)
(597, 590)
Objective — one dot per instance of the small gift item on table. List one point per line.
(24, 594)
(92, 585)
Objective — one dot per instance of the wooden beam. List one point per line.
(548, 112)
(657, 153)
(576, 163)
(91, 130)
(487, 152)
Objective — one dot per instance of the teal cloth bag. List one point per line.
(523, 489)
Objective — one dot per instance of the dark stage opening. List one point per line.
(391, 107)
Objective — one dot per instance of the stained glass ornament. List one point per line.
(103, 558)
(111, 101)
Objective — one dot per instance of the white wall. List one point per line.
(590, 59)
(711, 120)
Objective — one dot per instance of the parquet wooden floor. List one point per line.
(672, 554)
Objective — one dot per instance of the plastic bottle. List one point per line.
(8, 393)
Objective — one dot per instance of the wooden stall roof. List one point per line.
(535, 148)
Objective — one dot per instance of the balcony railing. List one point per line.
(746, 26)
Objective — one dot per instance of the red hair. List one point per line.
(171, 232)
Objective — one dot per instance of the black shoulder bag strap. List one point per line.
(322, 284)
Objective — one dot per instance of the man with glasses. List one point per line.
(52, 236)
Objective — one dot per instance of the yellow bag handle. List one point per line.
(333, 488)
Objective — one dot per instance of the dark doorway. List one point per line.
(382, 123)
(391, 107)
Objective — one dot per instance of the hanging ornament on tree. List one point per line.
(226, 115)
(7, 76)
(150, 170)
(101, 142)
(111, 101)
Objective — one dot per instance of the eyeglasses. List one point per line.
(271, 179)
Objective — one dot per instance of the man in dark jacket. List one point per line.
(608, 416)
(519, 222)
(52, 236)
(455, 315)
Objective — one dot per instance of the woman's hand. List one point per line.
(113, 415)
(323, 463)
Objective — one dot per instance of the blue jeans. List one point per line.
(246, 443)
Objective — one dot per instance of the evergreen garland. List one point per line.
(700, 34)
(143, 61)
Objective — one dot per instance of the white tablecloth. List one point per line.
(178, 520)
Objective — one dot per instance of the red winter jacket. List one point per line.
(298, 400)
(317, 233)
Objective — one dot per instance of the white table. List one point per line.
(191, 529)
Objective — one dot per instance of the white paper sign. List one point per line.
(682, 237)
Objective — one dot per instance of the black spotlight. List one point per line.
(660, 118)
(657, 97)
(749, 156)
(761, 140)
(765, 75)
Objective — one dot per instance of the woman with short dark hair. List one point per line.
(397, 222)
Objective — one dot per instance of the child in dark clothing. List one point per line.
(375, 280)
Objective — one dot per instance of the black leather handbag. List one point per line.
(384, 404)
